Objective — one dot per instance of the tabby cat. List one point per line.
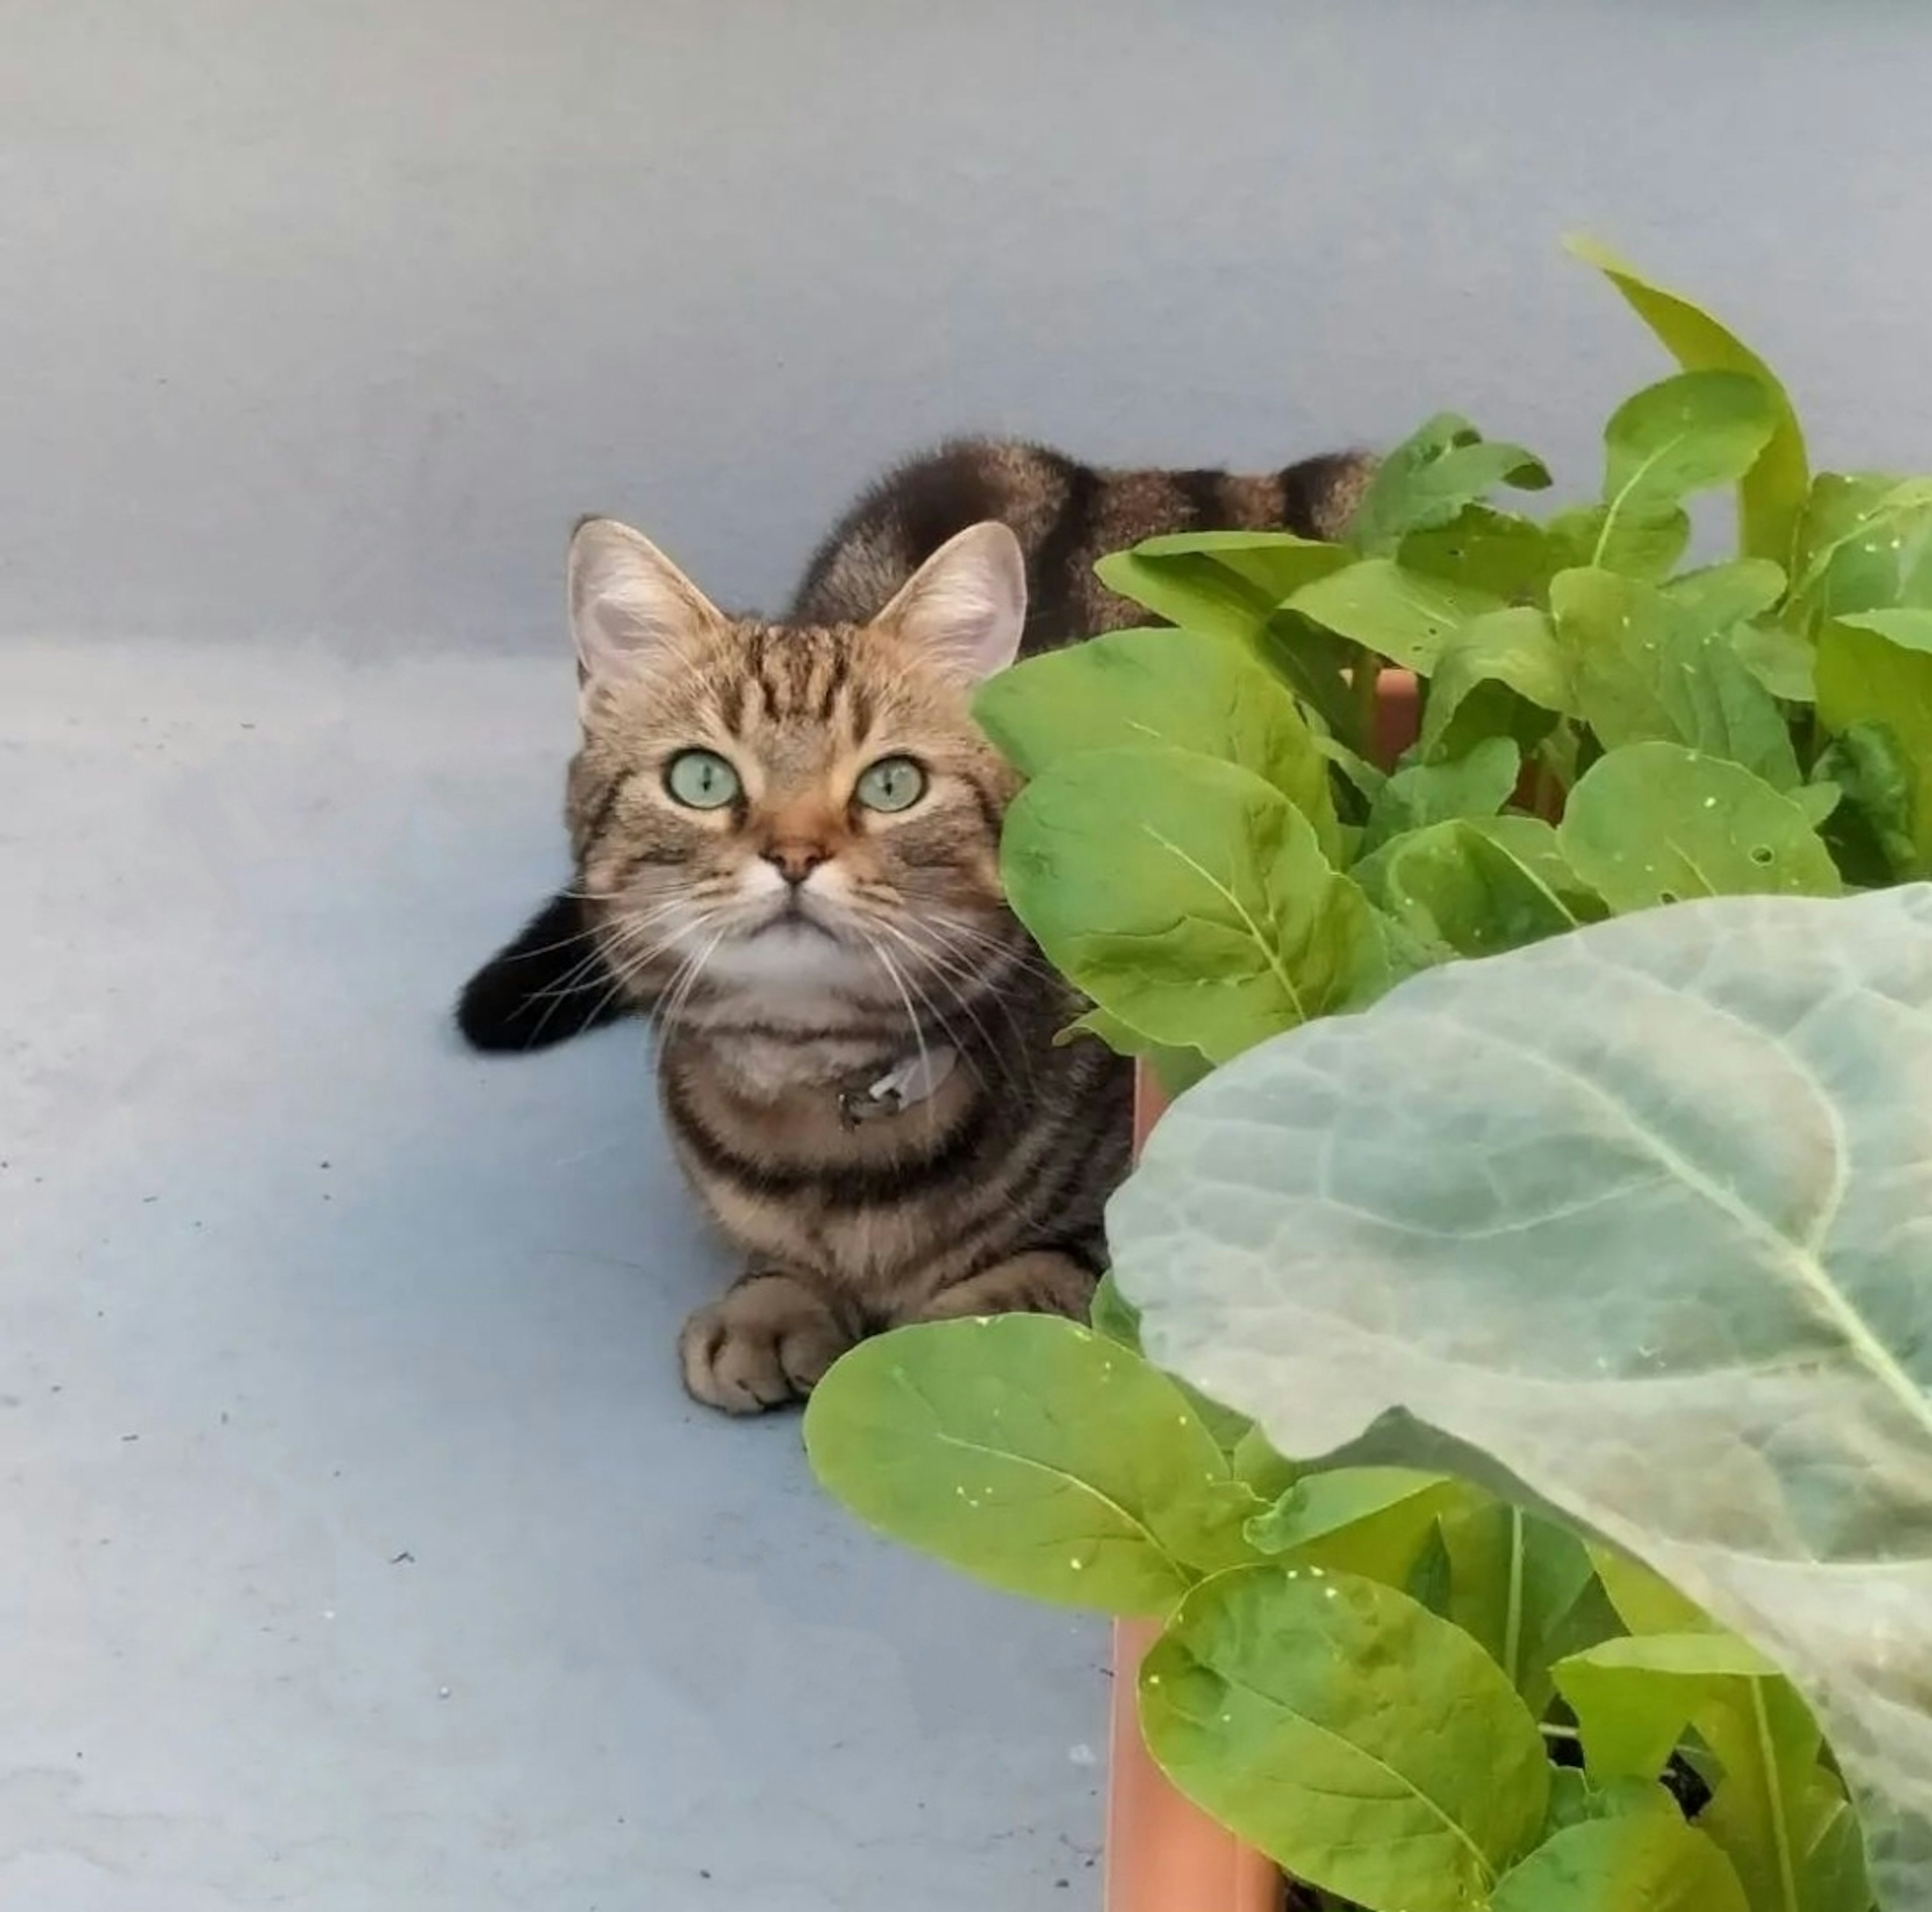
(786, 837)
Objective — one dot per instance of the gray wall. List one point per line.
(325, 319)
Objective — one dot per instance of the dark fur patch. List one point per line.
(541, 988)
(1306, 487)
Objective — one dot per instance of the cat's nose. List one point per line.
(795, 861)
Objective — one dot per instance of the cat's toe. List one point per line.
(767, 1343)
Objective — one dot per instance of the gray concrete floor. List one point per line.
(358, 1551)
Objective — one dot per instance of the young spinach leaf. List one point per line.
(1213, 920)
(1034, 1454)
(1366, 1745)
(1654, 823)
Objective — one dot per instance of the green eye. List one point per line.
(894, 783)
(701, 779)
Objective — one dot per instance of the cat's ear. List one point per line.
(630, 606)
(966, 605)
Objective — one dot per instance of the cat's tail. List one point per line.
(548, 984)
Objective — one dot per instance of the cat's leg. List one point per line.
(549, 983)
(769, 1341)
(1041, 1281)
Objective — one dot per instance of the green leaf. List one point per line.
(1187, 897)
(1369, 1520)
(1674, 439)
(1176, 1070)
(1772, 495)
(1275, 564)
(1649, 1862)
(1863, 545)
(1366, 1746)
(1630, 1224)
(1136, 688)
(1513, 1582)
(1575, 1800)
(1475, 887)
(1112, 1316)
(1206, 587)
(1428, 479)
(1634, 1698)
(1420, 794)
(1645, 1602)
(1873, 829)
(1646, 667)
(1404, 615)
(1506, 556)
(1517, 649)
(1870, 673)
(1645, 547)
(1722, 596)
(1785, 664)
(1034, 1454)
(1654, 823)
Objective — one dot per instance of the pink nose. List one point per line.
(795, 861)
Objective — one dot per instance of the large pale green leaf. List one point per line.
(1772, 494)
(1670, 440)
(1654, 823)
(1034, 1455)
(1404, 615)
(1367, 1747)
(1187, 897)
(1133, 688)
(1646, 666)
(1631, 1222)
(1872, 670)
(1640, 1862)
(1427, 480)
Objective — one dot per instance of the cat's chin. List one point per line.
(793, 952)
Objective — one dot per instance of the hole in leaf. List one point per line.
(1760, 854)
(1668, 896)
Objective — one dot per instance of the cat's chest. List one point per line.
(855, 1174)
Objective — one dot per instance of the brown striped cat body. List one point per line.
(786, 844)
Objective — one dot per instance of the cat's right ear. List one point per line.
(631, 608)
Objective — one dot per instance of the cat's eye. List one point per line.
(894, 783)
(701, 779)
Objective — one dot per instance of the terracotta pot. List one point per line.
(1164, 1854)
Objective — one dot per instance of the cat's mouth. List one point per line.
(794, 916)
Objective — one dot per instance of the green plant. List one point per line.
(1587, 1273)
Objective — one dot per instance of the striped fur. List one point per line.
(1067, 517)
(986, 1196)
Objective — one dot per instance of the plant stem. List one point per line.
(1367, 676)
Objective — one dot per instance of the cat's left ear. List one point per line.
(966, 606)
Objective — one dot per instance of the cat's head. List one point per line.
(791, 808)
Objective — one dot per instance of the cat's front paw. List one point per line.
(768, 1342)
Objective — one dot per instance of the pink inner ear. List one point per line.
(967, 603)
